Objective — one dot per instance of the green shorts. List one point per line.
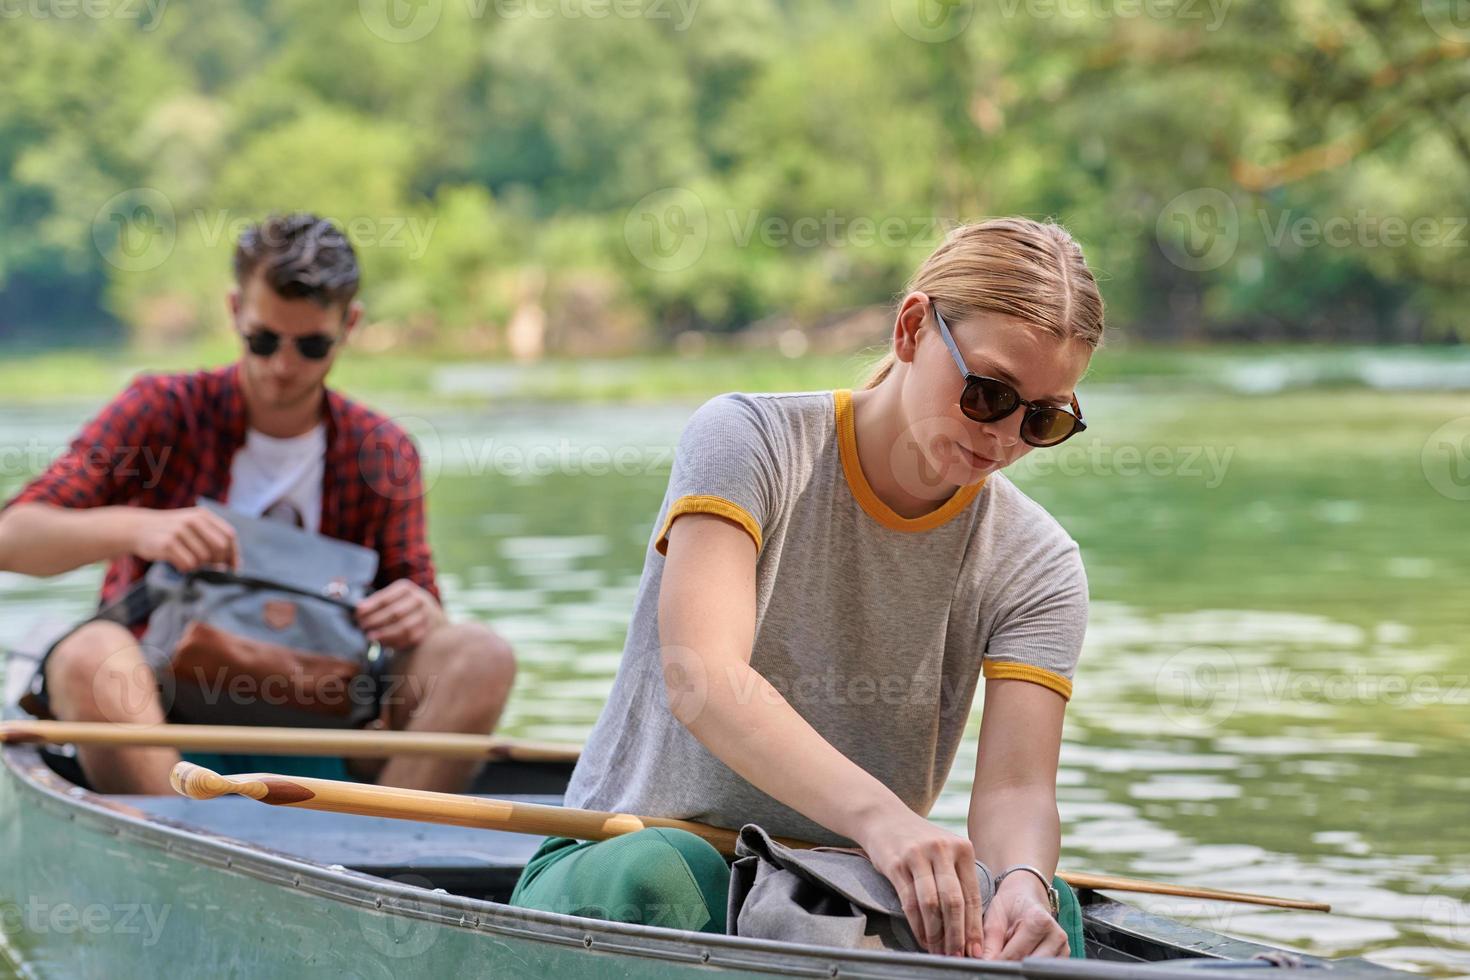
(655, 877)
(662, 877)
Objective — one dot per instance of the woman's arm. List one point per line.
(1013, 814)
(706, 630)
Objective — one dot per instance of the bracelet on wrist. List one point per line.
(1053, 901)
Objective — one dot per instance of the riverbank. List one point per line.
(78, 375)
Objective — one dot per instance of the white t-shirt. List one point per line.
(280, 478)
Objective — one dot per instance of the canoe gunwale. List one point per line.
(24, 767)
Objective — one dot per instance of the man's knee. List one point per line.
(476, 655)
(101, 665)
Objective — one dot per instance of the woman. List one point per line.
(830, 575)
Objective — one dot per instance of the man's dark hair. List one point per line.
(300, 256)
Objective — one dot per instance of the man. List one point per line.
(266, 436)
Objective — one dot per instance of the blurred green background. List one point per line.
(599, 177)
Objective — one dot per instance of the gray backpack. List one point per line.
(274, 642)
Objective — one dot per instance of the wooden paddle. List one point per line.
(348, 743)
(335, 796)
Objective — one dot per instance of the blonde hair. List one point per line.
(1013, 267)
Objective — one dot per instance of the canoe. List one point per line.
(95, 885)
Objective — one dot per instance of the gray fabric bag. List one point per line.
(274, 642)
(826, 896)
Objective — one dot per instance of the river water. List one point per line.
(1274, 695)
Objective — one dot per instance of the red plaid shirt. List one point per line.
(184, 430)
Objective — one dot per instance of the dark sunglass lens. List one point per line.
(263, 343)
(315, 346)
(988, 400)
(1048, 426)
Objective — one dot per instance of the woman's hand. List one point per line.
(934, 873)
(1019, 922)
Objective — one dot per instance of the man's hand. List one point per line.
(188, 538)
(1019, 922)
(399, 616)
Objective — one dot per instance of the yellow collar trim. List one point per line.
(858, 483)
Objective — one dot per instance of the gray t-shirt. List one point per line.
(874, 627)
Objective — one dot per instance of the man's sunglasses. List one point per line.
(313, 346)
(991, 399)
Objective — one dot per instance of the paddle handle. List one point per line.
(1082, 879)
(558, 821)
(335, 796)
(345, 743)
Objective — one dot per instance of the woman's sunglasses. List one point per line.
(314, 346)
(991, 399)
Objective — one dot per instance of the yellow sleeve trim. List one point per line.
(708, 504)
(1026, 672)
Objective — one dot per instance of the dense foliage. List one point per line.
(634, 168)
